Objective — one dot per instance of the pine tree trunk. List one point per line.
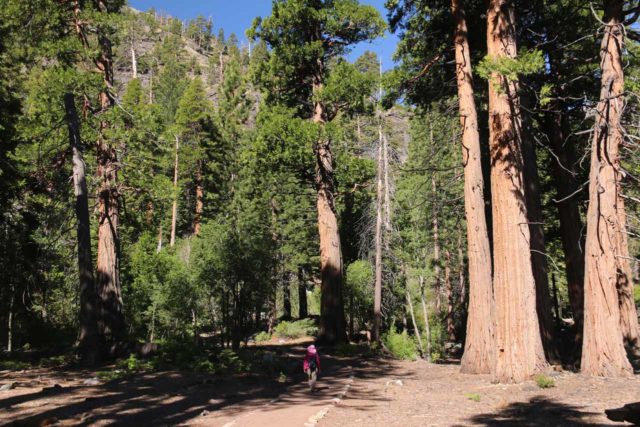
(377, 296)
(134, 62)
(569, 215)
(387, 190)
(603, 352)
(111, 326)
(88, 336)
(519, 353)
(197, 218)
(538, 251)
(461, 271)
(332, 320)
(302, 295)
(436, 242)
(451, 329)
(174, 208)
(160, 232)
(425, 315)
(12, 299)
(479, 345)
(286, 300)
(413, 322)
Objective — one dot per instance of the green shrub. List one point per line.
(348, 349)
(297, 329)
(472, 396)
(401, 345)
(56, 361)
(13, 365)
(263, 337)
(229, 361)
(636, 294)
(132, 365)
(115, 374)
(544, 381)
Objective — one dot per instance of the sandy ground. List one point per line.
(354, 391)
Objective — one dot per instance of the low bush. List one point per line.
(401, 345)
(263, 337)
(472, 396)
(298, 329)
(544, 381)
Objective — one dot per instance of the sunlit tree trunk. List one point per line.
(519, 351)
(416, 331)
(197, 218)
(436, 243)
(332, 320)
(377, 297)
(134, 62)
(479, 345)
(425, 316)
(603, 352)
(111, 318)
(174, 208)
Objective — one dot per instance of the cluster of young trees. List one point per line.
(215, 188)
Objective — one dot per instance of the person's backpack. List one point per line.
(313, 365)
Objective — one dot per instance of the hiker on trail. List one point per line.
(311, 366)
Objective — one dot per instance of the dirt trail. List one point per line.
(354, 391)
(421, 394)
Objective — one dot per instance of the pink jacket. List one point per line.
(307, 359)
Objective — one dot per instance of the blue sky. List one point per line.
(235, 16)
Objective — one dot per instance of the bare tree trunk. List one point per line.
(425, 315)
(159, 248)
(413, 322)
(174, 210)
(12, 299)
(88, 336)
(286, 299)
(153, 324)
(461, 271)
(197, 218)
(151, 86)
(520, 353)
(387, 190)
(479, 345)
(603, 352)
(451, 329)
(436, 242)
(377, 298)
(332, 320)
(302, 295)
(134, 62)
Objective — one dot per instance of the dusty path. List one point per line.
(422, 394)
(375, 392)
(46, 397)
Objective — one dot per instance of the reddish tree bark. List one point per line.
(479, 345)
(332, 320)
(603, 352)
(519, 351)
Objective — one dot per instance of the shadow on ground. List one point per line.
(539, 411)
(172, 398)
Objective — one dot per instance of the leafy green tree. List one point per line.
(305, 37)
